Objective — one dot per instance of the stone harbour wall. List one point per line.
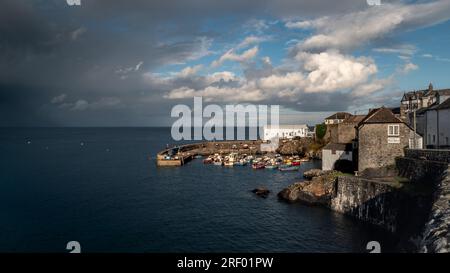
(429, 154)
(436, 236)
(374, 202)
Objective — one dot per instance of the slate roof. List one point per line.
(380, 115)
(444, 105)
(339, 115)
(354, 119)
(423, 93)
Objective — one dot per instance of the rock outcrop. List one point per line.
(309, 174)
(318, 191)
(262, 192)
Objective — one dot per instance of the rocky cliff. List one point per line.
(387, 204)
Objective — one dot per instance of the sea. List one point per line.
(101, 187)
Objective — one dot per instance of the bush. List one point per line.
(344, 165)
(321, 130)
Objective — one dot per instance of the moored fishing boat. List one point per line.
(258, 166)
(271, 166)
(286, 168)
(295, 163)
(228, 163)
(241, 162)
(208, 161)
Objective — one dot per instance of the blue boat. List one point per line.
(286, 168)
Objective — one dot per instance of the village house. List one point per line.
(337, 118)
(333, 152)
(416, 100)
(285, 131)
(341, 136)
(382, 137)
(427, 112)
(437, 126)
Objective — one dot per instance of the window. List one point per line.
(393, 130)
(434, 138)
(446, 141)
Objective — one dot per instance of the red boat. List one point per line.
(258, 166)
(295, 163)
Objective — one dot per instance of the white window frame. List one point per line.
(393, 126)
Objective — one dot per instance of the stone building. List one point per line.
(337, 118)
(382, 136)
(341, 136)
(333, 152)
(416, 100)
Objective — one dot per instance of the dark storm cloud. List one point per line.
(95, 54)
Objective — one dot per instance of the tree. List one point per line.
(321, 130)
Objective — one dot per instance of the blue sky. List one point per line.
(120, 63)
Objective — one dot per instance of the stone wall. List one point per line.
(366, 200)
(346, 132)
(429, 154)
(436, 236)
(419, 170)
(374, 149)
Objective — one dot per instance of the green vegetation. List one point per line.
(321, 130)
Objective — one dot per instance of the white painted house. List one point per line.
(285, 131)
(333, 152)
(437, 124)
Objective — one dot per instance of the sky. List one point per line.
(127, 63)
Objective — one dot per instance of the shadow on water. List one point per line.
(98, 186)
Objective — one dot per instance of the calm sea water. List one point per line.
(101, 187)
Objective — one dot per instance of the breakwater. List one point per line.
(181, 154)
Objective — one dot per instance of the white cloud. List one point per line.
(58, 99)
(80, 105)
(138, 66)
(221, 76)
(332, 71)
(308, 24)
(427, 55)
(247, 92)
(400, 49)
(204, 49)
(408, 67)
(77, 33)
(230, 55)
(358, 28)
(251, 40)
(189, 71)
(322, 67)
(324, 72)
(258, 25)
(367, 89)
